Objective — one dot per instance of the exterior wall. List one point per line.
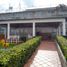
(21, 31)
(46, 29)
(28, 31)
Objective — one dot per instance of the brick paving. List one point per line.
(45, 56)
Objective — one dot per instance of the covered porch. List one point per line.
(32, 28)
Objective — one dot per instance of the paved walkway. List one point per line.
(45, 56)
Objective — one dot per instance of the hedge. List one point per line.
(63, 44)
(18, 55)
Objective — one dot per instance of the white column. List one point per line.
(64, 28)
(34, 29)
(8, 30)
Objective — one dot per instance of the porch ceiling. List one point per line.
(55, 25)
(21, 25)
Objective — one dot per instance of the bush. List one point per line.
(18, 55)
(63, 44)
(3, 44)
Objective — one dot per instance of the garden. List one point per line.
(17, 56)
(12, 55)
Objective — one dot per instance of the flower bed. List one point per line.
(63, 44)
(18, 55)
(4, 44)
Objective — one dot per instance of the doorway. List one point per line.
(47, 30)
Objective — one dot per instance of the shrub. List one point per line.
(63, 44)
(18, 55)
(3, 44)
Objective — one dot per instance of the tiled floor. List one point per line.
(45, 56)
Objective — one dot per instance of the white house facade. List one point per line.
(44, 20)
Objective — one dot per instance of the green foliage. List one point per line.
(4, 44)
(63, 44)
(18, 55)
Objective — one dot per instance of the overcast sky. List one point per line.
(25, 4)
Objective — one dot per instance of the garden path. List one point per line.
(45, 56)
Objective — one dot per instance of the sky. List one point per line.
(20, 5)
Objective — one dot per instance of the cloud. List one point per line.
(26, 4)
(16, 4)
(48, 3)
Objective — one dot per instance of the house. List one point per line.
(33, 21)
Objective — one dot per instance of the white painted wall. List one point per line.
(46, 29)
(29, 30)
(21, 30)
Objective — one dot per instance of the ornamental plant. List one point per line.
(3, 43)
(63, 44)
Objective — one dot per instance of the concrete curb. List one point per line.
(61, 56)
